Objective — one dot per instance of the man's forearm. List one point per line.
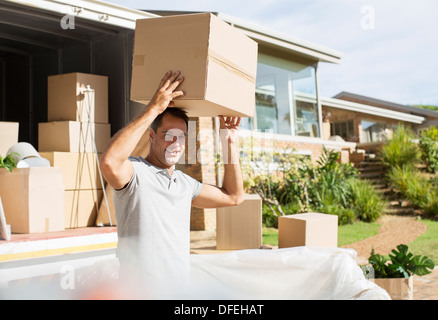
(233, 181)
(124, 142)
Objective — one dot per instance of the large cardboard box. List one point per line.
(240, 227)
(8, 136)
(308, 229)
(80, 170)
(72, 136)
(81, 208)
(33, 199)
(66, 99)
(219, 63)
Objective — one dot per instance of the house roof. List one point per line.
(272, 39)
(94, 15)
(372, 110)
(348, 96)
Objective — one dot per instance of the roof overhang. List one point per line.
(279, 41)
(119, 16)
(273, 40)
(97, 11)
(375, 111)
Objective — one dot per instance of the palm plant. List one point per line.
(401, 264)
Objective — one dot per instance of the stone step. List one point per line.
(399, 211)
(372, 169)
(371, 163)
(371, 175)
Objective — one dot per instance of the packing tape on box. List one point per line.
(230, 66)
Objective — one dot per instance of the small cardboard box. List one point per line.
(397, 288)
(72, 136)
(308, 229)
(33, 199)
(81, 208)
(67, 100)
(8, 136)
(219, 63)
(240, 227)
(80, 170)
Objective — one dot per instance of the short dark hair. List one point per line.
(176, 112)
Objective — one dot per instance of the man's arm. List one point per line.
(232, 192)
(114, 164)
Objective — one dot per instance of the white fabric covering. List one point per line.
(292, 273)
(300, 273)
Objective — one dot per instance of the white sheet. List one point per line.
(300, 273)
(292, 273)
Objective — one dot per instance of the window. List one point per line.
(286, 99)
(306, 105)
(344, 129)
(373, 131)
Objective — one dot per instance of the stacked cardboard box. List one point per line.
(8, 136)
(33, 199)
(78, 126)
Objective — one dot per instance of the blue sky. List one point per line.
(390, 47)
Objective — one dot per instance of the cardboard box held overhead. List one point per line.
(219, 63)
(67, 100)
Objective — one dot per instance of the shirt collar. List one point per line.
(156, 169)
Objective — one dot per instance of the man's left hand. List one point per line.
(229, 128)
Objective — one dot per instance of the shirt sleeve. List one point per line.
(131, 186)
(196, 186)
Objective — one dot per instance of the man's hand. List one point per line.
(229, 128)
(165, 93)
(231, 193)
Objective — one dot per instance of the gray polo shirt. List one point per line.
(153, 222)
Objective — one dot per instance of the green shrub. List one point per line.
(421, 192)
(429, 148)
(366, 202)
(401, 149)
(400, 177)
(401, 264)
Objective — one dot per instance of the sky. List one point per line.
(389, 47)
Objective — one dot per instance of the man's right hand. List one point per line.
(165, 93)
(114, 163)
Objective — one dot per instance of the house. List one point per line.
(369, 121)
(47, 37)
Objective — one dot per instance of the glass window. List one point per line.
(281, 87)
(306, 105)
(373, 131)
(344, 129)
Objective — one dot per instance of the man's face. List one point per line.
(168, 143)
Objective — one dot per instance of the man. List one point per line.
(152, 199)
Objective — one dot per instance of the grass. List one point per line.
(351, 233)
(270, 236)
(347, 234)
(427, 243)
